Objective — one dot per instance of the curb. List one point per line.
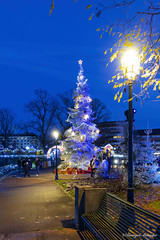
(5, 176)
(64, 190)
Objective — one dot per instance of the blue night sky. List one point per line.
(42, 51)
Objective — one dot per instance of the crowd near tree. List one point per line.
(25, 166)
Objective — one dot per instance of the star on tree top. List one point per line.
(80, 62)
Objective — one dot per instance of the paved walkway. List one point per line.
(35, 208)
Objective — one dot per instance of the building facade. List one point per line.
(111, 133)
(115, 133)
(22, 141)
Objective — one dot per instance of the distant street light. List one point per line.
(130, 63)
(56, 134)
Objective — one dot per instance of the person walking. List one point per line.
(19, 163)
(27, 169)
(105, 167)
(37, 163)
(92, 166)
(30, 163)
(109, 164)
(23, 164)
(97, 163)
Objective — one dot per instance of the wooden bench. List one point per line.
(117, 219)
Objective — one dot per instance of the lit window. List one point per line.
(116, 136)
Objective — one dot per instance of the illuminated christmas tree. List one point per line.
(83, 132)
(145, 171)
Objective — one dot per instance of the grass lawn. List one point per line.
(146, 196)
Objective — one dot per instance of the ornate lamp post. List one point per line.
(130, 63)
(56, 134)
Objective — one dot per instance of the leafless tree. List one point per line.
(42, 110)
(100, 111)
(7, 125)
(65, 101)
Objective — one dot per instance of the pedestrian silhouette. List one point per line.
(37, 163)
(27, 169)
(19, 163)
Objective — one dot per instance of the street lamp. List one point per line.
(55, 134)
(130, 63)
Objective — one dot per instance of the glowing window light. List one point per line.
(130, 63)
(116, 136)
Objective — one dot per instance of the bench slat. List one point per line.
(87, 235)
(117, 219)
(98, 222)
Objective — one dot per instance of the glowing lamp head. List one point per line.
(130, 63)
(56, 134)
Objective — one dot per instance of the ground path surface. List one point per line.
(35, 208)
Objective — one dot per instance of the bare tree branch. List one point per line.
(43, 110)
(7, 124)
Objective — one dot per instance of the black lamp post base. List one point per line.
(130, 195)
(56, 177)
